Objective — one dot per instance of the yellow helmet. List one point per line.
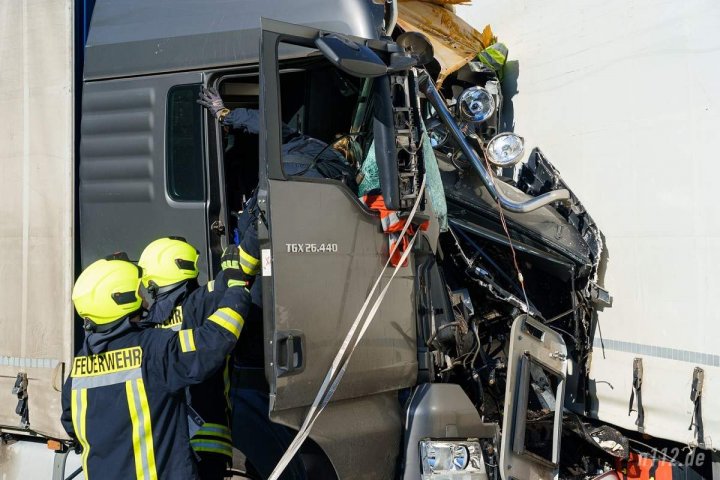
(167, 261)
(107, 290)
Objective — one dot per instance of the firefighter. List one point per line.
(124, 401)
(170, 273)
(302, 155)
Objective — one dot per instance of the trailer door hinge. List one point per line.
(637, 391)
(696, 397)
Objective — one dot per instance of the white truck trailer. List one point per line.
(36, 229)
(624, 99)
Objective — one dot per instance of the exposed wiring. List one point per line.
(520, 277)
(562, 331)
(559, 316)
(474, 353)
(442, 327)
(485, 256)
(477, 350)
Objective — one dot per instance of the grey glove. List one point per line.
(210, 99)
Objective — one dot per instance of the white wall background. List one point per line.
(624, 98)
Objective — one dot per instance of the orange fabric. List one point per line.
(664, 471)
(392, 226)
(639, 467)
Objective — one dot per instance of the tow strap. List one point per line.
(337, 371)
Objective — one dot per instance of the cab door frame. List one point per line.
(365, 410)
(219, 225)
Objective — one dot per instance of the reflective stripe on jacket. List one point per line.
(209, 399)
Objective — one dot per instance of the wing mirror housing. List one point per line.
(351, 57)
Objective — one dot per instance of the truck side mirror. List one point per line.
(351, 57)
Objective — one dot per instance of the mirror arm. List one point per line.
(391, 16)
(428, 88)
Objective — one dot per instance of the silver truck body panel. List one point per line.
(437, 411)
(124, 201)
(371, 451)
(318, 295)
(144, 37)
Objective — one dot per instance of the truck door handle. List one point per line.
(290, 352)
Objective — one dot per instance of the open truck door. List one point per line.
(321, 252)
(532, 422)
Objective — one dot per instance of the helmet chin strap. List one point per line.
(91, 327)
(156, 291)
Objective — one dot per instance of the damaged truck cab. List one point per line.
(462, 370)
(426, 360)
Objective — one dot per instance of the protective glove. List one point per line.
(233, 272)
(210, 99)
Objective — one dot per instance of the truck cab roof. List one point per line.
(142, 37)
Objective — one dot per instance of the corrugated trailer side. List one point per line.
(36, 211)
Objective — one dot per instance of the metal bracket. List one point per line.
(408, 136)
(599, 296)
(20, 390)
(637, 390)
(218, 228)
(696, 397)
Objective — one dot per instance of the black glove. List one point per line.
(210, 99)
(233, 272)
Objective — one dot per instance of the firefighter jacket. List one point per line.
(125, 398)
(302, 155)
(249, 351)
(187, 307)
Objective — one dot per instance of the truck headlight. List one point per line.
(476, 105)
(505, 149)
(452, 460)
